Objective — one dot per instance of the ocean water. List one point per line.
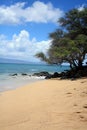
(7, 81)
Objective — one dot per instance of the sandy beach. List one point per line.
(45, 105)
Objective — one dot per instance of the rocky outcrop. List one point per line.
(14, 74)
(70, 74)
(24, 74)
(44, 73)
(55, 75)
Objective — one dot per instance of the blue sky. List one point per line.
(25, 25)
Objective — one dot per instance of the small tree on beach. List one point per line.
(69, 43)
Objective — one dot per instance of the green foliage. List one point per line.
(69, 44)
(41, 55)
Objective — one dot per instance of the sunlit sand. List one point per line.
(45, 105)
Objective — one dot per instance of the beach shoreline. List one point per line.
(45, 105)
(9, 82)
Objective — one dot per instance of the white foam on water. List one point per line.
(12, 82)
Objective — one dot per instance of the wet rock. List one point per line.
(48, 77)
(14, 74)
(56, 75)
(44, 73)
(24, 74)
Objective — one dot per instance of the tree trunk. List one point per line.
(71, 66)
(80, 64)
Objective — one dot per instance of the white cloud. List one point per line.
(81, 7)
(21, 47)
(38, 12)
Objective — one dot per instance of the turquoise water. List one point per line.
(30, 68)
(8, 82)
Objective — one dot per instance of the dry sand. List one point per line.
(45, 105)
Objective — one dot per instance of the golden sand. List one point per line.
(45, 105)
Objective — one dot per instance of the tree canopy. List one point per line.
(69, 41)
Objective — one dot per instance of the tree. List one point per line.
(69, 44)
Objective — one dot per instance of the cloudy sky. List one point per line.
(25, 25)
